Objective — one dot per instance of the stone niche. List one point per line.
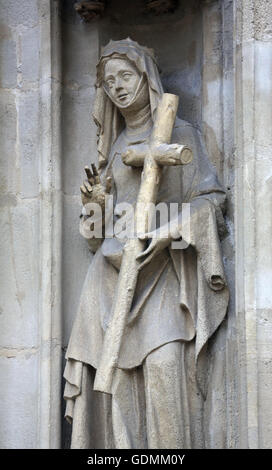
(194, 49)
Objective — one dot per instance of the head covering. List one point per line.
(106, 115)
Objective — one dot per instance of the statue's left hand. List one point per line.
(159, 239)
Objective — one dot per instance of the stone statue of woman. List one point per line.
(181, 296)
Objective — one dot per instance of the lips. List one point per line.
(122, 96)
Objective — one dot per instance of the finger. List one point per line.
(83, 190)
(88, 186)
(89, 175)
(88, 172)
(95, 173)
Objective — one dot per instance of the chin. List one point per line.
(124, 103)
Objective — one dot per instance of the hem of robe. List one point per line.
(80, 355)
(73, 375)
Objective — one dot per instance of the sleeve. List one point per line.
(199, 178)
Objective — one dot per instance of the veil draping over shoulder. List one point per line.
(106, 115)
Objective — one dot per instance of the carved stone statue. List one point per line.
(180, 297)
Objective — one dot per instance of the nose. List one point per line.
(118, 84)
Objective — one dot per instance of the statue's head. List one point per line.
(127, 79)
(121, 81)
(123, 73)
(137, 56)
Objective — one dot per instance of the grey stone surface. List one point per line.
(8, 63)
(28, 142)
(79, 136)
(18, 398)
(253, 46)
(79, 54)
(15, 13)
(19, 281)
(8, 137)
(72, 259)
(29, 201)
(29, 47)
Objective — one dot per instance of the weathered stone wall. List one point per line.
(30, 211)
(253, 217)
(221, 410)
(19, 248)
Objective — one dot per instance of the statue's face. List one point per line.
(121, 80)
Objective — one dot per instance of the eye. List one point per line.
(110, 83)
(127, 75)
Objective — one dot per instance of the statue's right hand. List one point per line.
(92, 189)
